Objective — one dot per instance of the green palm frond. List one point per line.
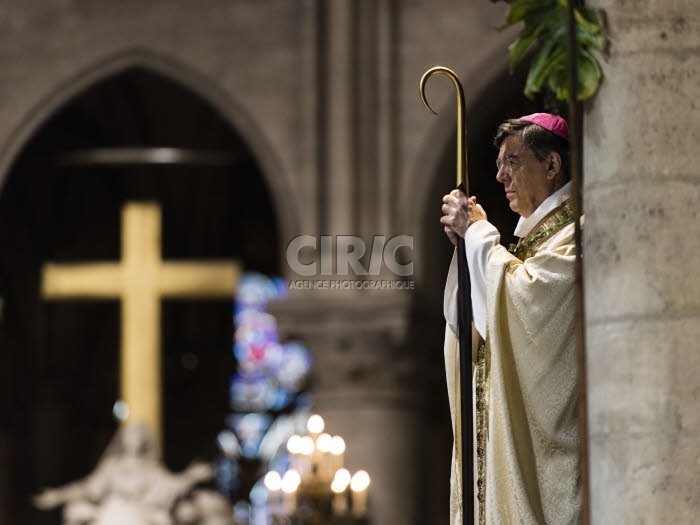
(544, 34)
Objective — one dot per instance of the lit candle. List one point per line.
(343, 477)
(337, 452)
(294, 449)
(273, 483)
(359, 485)
(323, 446)
(290, 484)
(306, 449)
(340, 498)
(315, 425)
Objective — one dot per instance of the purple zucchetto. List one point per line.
(553, 123)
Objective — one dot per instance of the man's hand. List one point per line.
(460, 212)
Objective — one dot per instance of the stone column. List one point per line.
(340, 120)
(365, 372)
(641, 249)
(365, 386)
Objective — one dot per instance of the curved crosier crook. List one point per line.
(462, 176)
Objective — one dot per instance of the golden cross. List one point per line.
(140, 280)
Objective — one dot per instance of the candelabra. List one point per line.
(317, 489)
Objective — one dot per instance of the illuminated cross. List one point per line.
(140, 280)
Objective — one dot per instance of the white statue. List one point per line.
(129, 485)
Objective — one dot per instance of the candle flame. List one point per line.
(315, 424)
(360, 481)
(273, 481)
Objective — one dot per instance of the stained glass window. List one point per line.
(267, 390)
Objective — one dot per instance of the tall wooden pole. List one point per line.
(576, 150)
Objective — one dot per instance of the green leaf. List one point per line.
(541, 65)
(557, 65)
(521, 9)
(544, 30)
(591, 33)
(521, 45)
(589, 40)
(558, 82)
(596, 41)
(585, 24)
(594, 17)
(589, 75)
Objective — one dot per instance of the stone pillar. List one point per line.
(365, 372)
(365, 386)
(340, 120)
(641, 246)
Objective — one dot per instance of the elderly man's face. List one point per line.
(527, 181)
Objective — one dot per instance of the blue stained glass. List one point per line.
(241, 512)
(304, 401)
(280, 287)
(256, 341)
(279, 399)
(227, 474)
(240, 351)
(280, 461)
(228, 443)
(253, 320)
(270, 380)
(250, 429)
(255, 290)
(258, 494)
(294, 367)
(250, 392)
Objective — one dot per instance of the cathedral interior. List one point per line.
(291, 118)
(157, 161)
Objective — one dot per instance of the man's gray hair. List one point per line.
(539, 140)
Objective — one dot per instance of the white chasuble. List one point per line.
(526, 467)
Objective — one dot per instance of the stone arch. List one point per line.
(277, 178)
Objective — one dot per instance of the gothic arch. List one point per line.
(277, 179)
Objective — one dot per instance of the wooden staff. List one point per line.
(464, 311)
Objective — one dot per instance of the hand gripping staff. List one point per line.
(464, 311)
